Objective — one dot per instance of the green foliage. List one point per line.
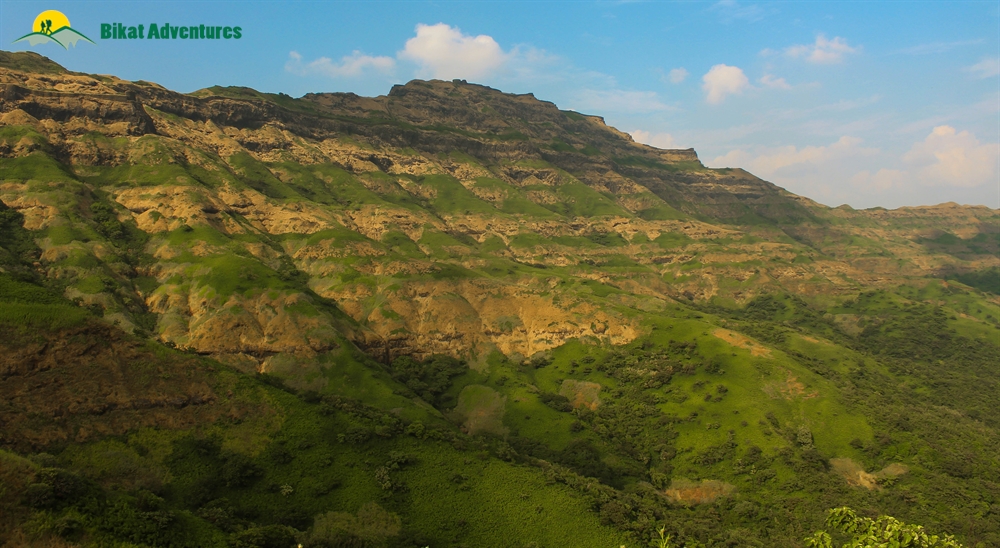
(653, 164)
(664, 540)
(371, 527)
(13, 237)
(884, 532)
(37, 166)
(429, 378)
(126, 237)
(267, 536)
(25, 303)
(984, 280)
(916, 338)
(579, 200)
(257, 176)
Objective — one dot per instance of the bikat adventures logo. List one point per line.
(53, 26)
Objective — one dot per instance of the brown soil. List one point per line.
(790, 389)
(692, 492)
(735, 339)
(857, 477)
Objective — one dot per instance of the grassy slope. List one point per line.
(693, 415)
(879, 377)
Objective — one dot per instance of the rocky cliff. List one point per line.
(444, 217)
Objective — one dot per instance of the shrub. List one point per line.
(371, 527)
(884, 531)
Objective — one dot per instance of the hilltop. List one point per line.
(643, 339)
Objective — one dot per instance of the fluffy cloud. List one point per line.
(658, 140)
(677, 75)
(986, 68)
(823, 51)
(947, 157)
(442, 51)
(438, 51)
(723, 80)
(352, 65)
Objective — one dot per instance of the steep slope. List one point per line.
(674, 344)
(160, 448)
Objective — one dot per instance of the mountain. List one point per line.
(455, 316)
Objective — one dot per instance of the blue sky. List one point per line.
(864, 103)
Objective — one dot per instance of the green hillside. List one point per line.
(450, 316)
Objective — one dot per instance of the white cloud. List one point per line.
(617, 100)
(769, 81)
(768, 162)
(986, 68)
(678, 75)
(947, 157)
(349, 66)
(658, 140)
(723, 80)
(442, 51)
(823, 51)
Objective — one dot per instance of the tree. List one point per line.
(884, 532)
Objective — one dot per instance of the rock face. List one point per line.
(444, 217)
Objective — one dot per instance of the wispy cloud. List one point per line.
(619, 101)
(658, 140)
(771, 161)
(817, 171)
(937, 47)
(350, 66)
(731, 10)
(677, 75)
(823, 51)
(987, 68)
(769, 81)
